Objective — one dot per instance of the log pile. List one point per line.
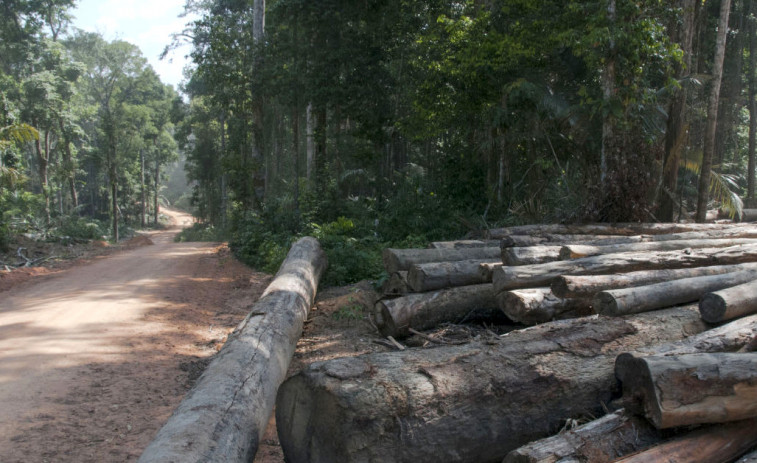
(656, 337)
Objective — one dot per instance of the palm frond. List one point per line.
(19, 133)
(723, 188)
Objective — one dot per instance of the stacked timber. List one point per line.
(631, 329)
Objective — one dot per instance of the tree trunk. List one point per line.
(600, 441)
(396, 260)
(143, 189)
(675, 134)
(713, 444)
(752, 104)
(539, 305)
(578, 286)
(70, 166)
(224, 176)
(427, 310)
(727, 304)
(156, 206)
(439, 275)
(470, 403)
(608, 92)
(310, 144)
(224, 416)
(712, 113)
(683, 390)
(296, 152)
(43, 159)
(464, 244)
(530, 255)
(622, 229)
(258, 36)
(530, 276)
(617, 302)
(575, 251)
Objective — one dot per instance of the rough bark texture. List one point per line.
(471, 403)
(539, 305)
(557, 239)
(576, 251)
(396, 260)
(525, 276)
(683, 390)
(622, 229)
(439, 275)
(599, 441)
(464, 244)
(749, 215)
(587, 286)
(486, 270)
(711, 444)
(616, 302)
(224, 416)
(396, 285)
(427, 310)
(530, 255)
(730, 303)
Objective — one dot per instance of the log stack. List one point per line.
(623, 325)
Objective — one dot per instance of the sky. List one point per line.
(145, 23)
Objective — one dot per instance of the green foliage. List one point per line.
(200, 232)
(81, 228)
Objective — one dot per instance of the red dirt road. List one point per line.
(93, 360)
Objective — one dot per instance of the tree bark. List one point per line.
(224, 416)
(539, 305)
(395, 285)
(511, 241)
(713, 444)
(575, 251)
(530, 276)
(156, 204)
(310, 144)
(470, 403)
(394, 317)
(486, 270)
(43, 160)
(752, 104)
(439, 275)
(617, 302)
(708, 153)
(727, 304)
(530, 255)
(683, 390)
(587, 286)
(600, 441)
(396, 260)
(622, 229)
(70, 165)
(143, 190)
(464, 244)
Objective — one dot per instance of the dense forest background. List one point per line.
(381, 122)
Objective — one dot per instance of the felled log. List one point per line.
(730, 337)
(486, 269)
(395, 285)
(439, 275)
(225, 415)
(394, 317)
(712, 444)
(587, 286)
(624, 229)
(530, 255)
(730, 303)
(750, 457)
(538, 305)
(470, 403)
(616, 302)
(510, 241)
(464, 244)
(682, 390)
(524, 276)
(396, 260)
(749, 215)
(576, 251)
(600, 441)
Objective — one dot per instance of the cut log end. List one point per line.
(713, 307)
(634, 375)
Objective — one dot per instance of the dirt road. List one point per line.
(93, 360)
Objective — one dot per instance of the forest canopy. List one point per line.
(385, 121)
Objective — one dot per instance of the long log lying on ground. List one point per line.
(731, 337)
(225, 415)
(587, 286)
(682, 390)
(730, 303)
(748, 458)
(616, 302)
(439, 275)
(464, 244)
(395, 317)
(538, 305)
(576, 251)
(511, 241)
(530, 255)
(600, 441)
(624, 229)
(524, 276)
(486, 270)
(395, 285)
(711, 444)
(470, 403)
(396, 260)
